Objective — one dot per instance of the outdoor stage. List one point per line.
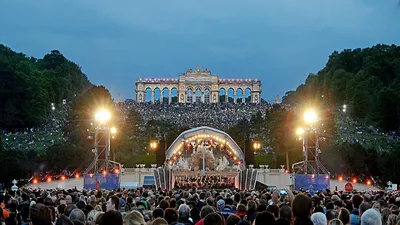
(78, 183)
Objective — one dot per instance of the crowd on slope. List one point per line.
(198, 207)
(220, 116)
(38, 138)
(350, 131)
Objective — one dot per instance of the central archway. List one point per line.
(232, 150)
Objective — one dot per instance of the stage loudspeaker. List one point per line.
(249, 154)
(160, 153)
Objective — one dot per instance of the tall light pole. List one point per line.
(310, 118)
(102, 141)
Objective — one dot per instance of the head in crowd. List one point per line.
(244, 222)
(356, 200)
(264, 218)
(251, 206)
(385, 215)
(40, 215)
(220, 204)
(111, 217)
(91, 217)
(69, 209)
(286, 212)
(331, 214)
(99, 218)
(214, 219)
(134, 218)
(158, 213)
(63, 220)
(184, 212)
(206, 210)
(241, 211)
(233, 220)
(77, 214)
(371, 217)
(113, 203)
(302, 209)
(344, 215)
(159, 221)
(164, 205)
(364, 207)
(170, 215)
(319, 219)
(282, 221)
(336, 222)
(274, 209)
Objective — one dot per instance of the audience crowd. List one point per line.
(205, 182)
(198, 207)
(219, 116)
(349, 131)
(38, 138)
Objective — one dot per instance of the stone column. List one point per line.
(234, 96)
(161, 97)
(152, 96)
(244, 97)
(170, 96)
(194, 96)
(202, 97)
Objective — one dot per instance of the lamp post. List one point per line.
(310, 118)
(102, 117)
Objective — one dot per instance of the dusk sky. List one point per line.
(278, 41)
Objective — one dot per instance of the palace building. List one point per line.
(197, 85)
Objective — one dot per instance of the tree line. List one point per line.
(28, 86)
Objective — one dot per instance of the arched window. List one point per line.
(207, 96)
(198, 95)
(189, 95)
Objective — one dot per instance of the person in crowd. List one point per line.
(77, 214)
(251, 211)
(159, 221)
(233, 220)
(355, 213)
(302, 209)
(158, 213)
(40, 215)
(184, 215)
(224, 208)
(371, 217)
(63, 220)
(134, 218)
(264, 218)
(171, 216)
(364, 207)
(91, 217)
(344, 216)
(335, 222)
(214, 219)
(319, 218)
(113, 203)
